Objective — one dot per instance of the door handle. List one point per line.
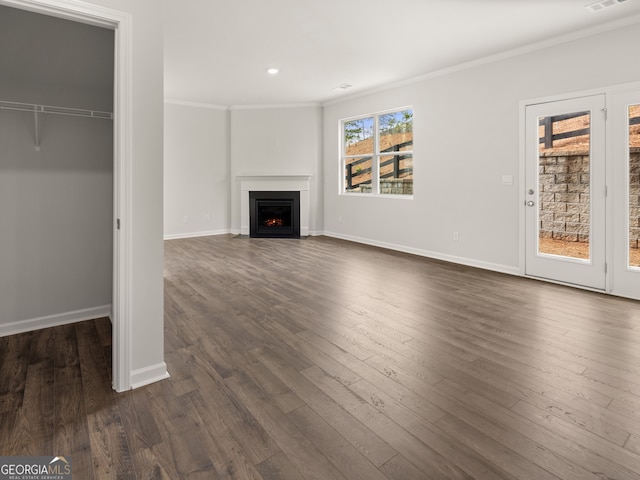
(530, 203)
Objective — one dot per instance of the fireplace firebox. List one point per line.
(274, 214)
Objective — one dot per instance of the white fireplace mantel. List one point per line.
(270, 182)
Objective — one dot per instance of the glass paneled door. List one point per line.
(626, 193)
(565, 191)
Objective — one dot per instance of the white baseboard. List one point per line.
(30, 325)
(147, 375)
(496, 267)
(177, 236)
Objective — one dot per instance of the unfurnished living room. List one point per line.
(304, 239)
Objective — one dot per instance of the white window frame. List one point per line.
(375, 155)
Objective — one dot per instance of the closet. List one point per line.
(56, 170)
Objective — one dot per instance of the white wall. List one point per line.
(196, 171)
(56, 204)
(277, 141)
(466, 128)
(147, 287)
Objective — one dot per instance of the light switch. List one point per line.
(507, 179)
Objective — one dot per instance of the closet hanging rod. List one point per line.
(78, 112)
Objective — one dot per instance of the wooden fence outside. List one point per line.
(396, 172)
(549, 137)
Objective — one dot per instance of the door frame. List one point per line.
(609, 93)
(120, 22)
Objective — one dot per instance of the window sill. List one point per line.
(377, 195)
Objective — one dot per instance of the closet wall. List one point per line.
(56, 204)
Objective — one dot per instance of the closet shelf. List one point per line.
(37, 109)
(79, 112)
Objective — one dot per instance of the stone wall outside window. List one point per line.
(564, 196)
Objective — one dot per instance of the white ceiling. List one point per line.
(217, 51)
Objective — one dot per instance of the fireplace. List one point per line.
(257, 183)
(274, 214)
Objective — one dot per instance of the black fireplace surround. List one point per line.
(274, 214)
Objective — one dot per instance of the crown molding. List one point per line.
(515, 52)
(275, 106)
(172, 101)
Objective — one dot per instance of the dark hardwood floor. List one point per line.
(322, 359)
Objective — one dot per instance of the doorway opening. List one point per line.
(120, 23)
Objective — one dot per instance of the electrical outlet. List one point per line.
(456, 236)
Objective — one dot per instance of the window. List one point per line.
(377, 153)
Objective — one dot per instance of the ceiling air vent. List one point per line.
(602, 4)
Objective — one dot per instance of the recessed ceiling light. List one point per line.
(602, 4)
(272, 71)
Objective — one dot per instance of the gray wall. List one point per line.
(196, 171)
(51, 61)
(56, 205)
(207, 148)
(466, 126)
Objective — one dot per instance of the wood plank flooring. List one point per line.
(323, 359)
